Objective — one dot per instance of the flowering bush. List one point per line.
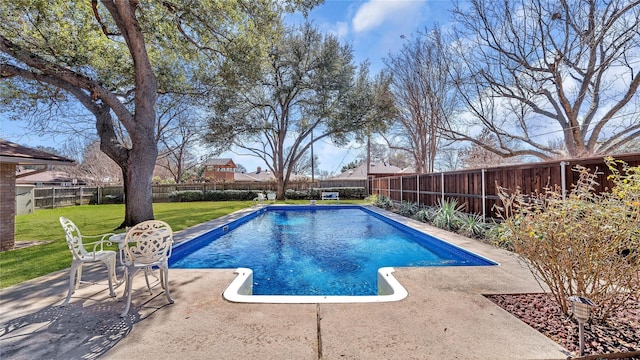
(587, 244)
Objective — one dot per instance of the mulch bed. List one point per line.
(619, 337)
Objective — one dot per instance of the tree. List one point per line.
(97, 168)
(303, 166)
(374, 152)
(475, 156)
(48, 149)
(306, 91)
(352, 165)
(104, 57)
(179, 130)
(240, 169)
(323, 174)
(421, 90)
(400, 158)
(52, 53)
(534, 69)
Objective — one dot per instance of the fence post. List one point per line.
(563, 176)
(418, 189)
(401, 191)
(53, 197)
(484, 198)
(389, 187)
(442, 187)
(81, 194)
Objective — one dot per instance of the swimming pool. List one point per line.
(317, 251)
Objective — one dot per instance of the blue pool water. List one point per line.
(317, 250)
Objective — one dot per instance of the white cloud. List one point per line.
(340, 30)
(376, 12)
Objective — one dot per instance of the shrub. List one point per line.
(471, 225)
(585, 245)
(301, 195)
(344, 192)
(499, 235)
(347, 192)
(212, 195)
(408, 209)
(447, 215)
(384, 202)
(425, 215)
(371, 198)
(185, 196)
(230, 195)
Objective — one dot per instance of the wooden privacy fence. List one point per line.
(60, 196)
(52, 197)
(476, 191)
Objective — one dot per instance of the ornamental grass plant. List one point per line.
(586, 244)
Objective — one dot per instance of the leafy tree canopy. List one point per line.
(307, 89)
(63, 60)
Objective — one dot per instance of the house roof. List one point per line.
(360, 173)
(242, 177)
(220, 162)
(47, 177)
(258, 175)
(22, 155)
(263, 175)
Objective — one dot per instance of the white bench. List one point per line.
(331, 195)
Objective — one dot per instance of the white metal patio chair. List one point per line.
(146, 245)
(259, 199)
(78, 246)
(271, 197)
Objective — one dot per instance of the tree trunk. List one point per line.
(280, 185)
(137, 185)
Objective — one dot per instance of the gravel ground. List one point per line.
(619, 335)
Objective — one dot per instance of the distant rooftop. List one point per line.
(360, 173)
(220, 162)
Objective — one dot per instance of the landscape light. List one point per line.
(581, 306)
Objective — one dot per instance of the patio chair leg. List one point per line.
(73, 283)
(111, 273)
(162, 279)
(128, 293)
(147, 270)
(78, 276)
(124, 278)
(165, 281)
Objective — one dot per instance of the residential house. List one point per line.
(219, 170)
(13, 155)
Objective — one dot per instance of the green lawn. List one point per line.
(23, 264)
(20, 265)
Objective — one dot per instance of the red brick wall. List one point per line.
(7, 206)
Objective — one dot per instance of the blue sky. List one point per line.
(373, 28)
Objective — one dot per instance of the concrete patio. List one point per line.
(445, 316)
